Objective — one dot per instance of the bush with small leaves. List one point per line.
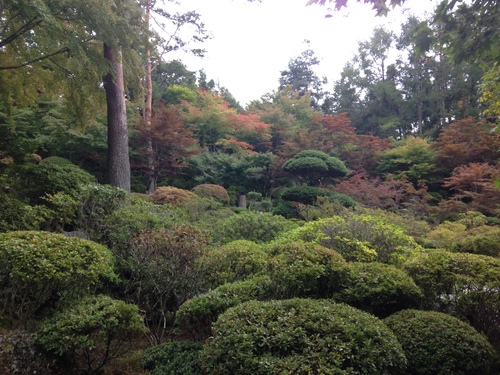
(358, 238)
(380, 289)
(300, 269)
(58, 160)
(215, 192)
(195, 316)
(302, 194)
(171, 195)
(17, 215)
(440, 344)
(486, 243)
(259, 227)
(93, 332)
(444, 235)
(300, 336)
(231, 262)
(173, 358)
(40, 269)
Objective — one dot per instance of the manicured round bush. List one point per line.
(195, 316)
(171, 195)
(216, 192)
(259, 227)
(358, 238)
(56, 160)
(440, 344)
(300, 269)
(302, 194)
(93, 332)
(300, 336)
(380, 289)
(173, 358)
(487, 243)
(38, 269)
(231, 262)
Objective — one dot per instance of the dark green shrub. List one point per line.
(215, 192)
(95, 331)
(173, 358)
(462, 283)
(300, 336)
(344, 199)
(302, 194)
(37, 180)
(285, 209)
(312, 166)
(231, 262)
(39, 269)
(17, 215)
(195, 316)
(358, 238)
(439, 344)
(487, 243)
(259, 227)
(380, 289)
(58, 160)
(299, 269)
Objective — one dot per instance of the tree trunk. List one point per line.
(118, 153)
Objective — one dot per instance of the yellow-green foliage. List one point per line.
(41, 267)
(171, 195)
(216, 192)
(231, 262)
(444, 235)
(485, 242)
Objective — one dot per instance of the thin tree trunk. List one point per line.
(118, 153)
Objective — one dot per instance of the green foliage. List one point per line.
(159, 270)
(299, 269)
(37, 180)
(196, 315)
(56, 160)
(259, 227)
(17, 215)
(40, 269)
(173, 358)
(233, 261)
(487, 243)
(216, 192)
(93, 332)
(303, 194)
(440, 344)
(444, 235)
(312, 166)
(300, 336)
(380, 289)
(358, 238)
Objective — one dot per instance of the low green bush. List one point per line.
(40, 269)
(171, 195)
(17, 215)
(300, 336)
(259, 227)
(173, 358)
(215, 192)
(487, 243)
(93, 332)
(196, 315)
(439, 344)
(380, 289)
(300, 269)
(303, 194)
(231, 262)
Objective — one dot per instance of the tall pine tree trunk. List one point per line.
(118, 153)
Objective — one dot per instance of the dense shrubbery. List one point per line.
(93, 332)
(231, 262)
(486, 243)
(258, 227)
(173, 358)
(303, 194)
(300, 336)
(380, 289)
(439, 344)
(38, 269)
(215, 192)
(358, 238)
(171, 195)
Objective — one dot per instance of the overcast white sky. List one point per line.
(253, 42)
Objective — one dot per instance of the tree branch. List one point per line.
(62, 50)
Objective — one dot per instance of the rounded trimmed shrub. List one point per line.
(215, 192)
(487, 243)
(171, 195)
(440, 344)
(380, 289)
(173, 358)
(300, 336)
(302, 194)
(259, 227)
(300, 269)
(41, 268)
(233, 261)
(56, 160)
